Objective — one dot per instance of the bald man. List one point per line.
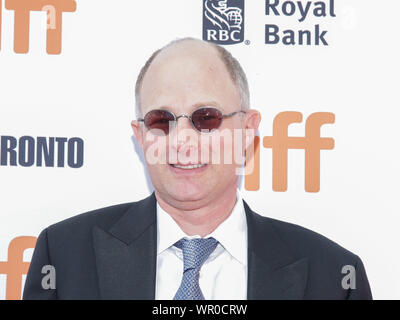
(194, 237)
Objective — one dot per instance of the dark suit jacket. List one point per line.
(110, 253)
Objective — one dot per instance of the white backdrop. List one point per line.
(87, 91)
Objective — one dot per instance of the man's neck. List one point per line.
(204, 219)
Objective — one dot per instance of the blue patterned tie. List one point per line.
(195, 253)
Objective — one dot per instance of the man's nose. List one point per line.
(180, 134)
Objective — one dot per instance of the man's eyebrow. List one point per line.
(194, 106)
(206, 104)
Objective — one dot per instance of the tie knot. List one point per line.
(196, 251)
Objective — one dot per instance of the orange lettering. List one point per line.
(252, 176)
(54, 8)
(312, 143)
(15, 267)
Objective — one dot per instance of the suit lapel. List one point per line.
(273, 272)
(126, 254)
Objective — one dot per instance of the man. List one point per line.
(193, 237)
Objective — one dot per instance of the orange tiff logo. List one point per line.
(15, 267)
(280, 143)
(22, 9)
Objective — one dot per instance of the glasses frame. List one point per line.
(228, 115)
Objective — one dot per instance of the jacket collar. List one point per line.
(126, 254)
(274, 273)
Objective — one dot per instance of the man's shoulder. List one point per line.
(81, 225)
(303, 242)
(105, 215)
(327, 262)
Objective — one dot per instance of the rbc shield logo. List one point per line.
(223, 21)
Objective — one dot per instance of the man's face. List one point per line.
(181, 79)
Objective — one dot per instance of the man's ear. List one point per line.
(137, 132)
(251, 123)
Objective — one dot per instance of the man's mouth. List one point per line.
(189, 166)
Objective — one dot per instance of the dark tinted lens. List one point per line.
(158, 119)
(207, 119)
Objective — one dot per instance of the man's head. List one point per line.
(232, 65)
(183, 76)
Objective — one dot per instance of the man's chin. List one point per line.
(187, 193)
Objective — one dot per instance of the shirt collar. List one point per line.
(231, 233)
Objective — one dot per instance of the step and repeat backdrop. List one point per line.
(326, 72)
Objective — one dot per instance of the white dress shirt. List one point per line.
(223, 275)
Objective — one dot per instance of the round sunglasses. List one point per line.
(202, 119)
